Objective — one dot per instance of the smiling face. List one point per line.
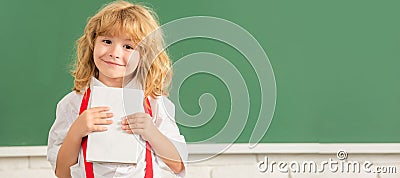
(112, 58)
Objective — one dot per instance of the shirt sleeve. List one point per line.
(66, 113)
(165, 122)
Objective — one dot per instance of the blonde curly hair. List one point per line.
(141, 24)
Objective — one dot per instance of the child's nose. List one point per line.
(115, 52)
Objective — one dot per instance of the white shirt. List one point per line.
(163, 116)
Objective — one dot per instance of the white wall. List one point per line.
(238, 161)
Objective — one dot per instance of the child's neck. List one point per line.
(113, 82)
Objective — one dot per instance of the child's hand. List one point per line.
(92, 120)
(139, 123)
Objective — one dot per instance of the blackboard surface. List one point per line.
(336, 67)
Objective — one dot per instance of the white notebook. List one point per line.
(115, 145)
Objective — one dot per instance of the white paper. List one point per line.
(115, 145)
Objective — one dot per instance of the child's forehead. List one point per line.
(117, 31)
(121, 34)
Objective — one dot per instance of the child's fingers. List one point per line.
(136, 120)
(103, 121)
(125, 127)
(129, 131)
(133, 126)
(124, 122)
(97, 128)
(103, 115)
(136, 126)
(100, 108)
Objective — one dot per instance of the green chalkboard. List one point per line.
(335, 63)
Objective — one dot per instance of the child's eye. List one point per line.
(128, 47)
(107, 41)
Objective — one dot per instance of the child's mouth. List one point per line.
(112, 63)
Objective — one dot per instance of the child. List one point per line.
(117, 32)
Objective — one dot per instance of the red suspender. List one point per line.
(89, 165)
(149, 162)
